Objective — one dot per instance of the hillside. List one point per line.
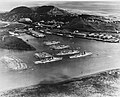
(21, 9)
(82, 22)
(93, 23)
(14, 43)
(42, 9)
(34, 13)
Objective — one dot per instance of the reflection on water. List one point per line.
(105, 56)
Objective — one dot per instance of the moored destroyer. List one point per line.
(48, 60)
(80, 55)
(59, 47)
(42, 55)
(68, 52)
(51, 42)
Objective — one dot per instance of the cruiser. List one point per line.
(48, 60)
(57, 47)
(51, 42)
(42, 55)
(81, 55)
(68, 52)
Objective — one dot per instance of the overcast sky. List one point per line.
(6, 5)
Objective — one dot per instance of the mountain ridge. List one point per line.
(84, 22)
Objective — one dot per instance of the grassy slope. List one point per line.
(83, 24)
(14, 43)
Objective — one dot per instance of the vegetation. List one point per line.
(74, 21)
(14, 43)
(93, 23)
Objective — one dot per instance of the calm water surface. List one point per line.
(105, 56)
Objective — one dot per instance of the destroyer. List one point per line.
(51, 42)
(57, 47)
(48, 60)
(81, 55)
(68, 52)
(42, 55)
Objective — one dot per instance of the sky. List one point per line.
(7, 5)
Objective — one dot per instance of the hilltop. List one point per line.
(84, 22)
(21, 9)
(34, 13)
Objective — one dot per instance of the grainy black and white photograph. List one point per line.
(59, 48)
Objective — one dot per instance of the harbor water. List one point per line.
(105, 56)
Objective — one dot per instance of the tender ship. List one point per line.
(42, 55)
(51, 42)
(58, 47)
(68, 52)
(48, 60)
(81, 55)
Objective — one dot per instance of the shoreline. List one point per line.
(82, 80)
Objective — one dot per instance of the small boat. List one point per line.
(48, 32)
(59, 34)
(42, 55)
(112, 40)
(48, 60)
(51, 42)
(68, 52)
(13, 33)
(58, 47)
(81, 55)
(69, 36)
